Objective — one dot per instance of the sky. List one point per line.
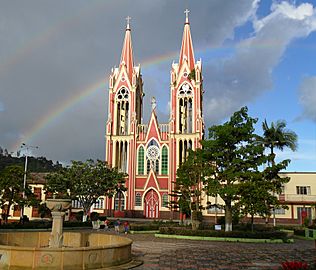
(56, 56)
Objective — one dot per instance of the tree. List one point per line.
(188, 186)
(277, 136)
(233, 158)
(86, 182)
(257, 192)
(12, 188)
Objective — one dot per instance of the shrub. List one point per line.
(79, 215)
(94, 216)
(299, 232)
(34, 224)
(145, 227)
(69, 224)
(233, 234)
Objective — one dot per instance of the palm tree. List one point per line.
(277, 136)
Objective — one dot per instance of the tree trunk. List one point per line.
(252, 223)
(228, 217)
(85, 214)
(194, 220)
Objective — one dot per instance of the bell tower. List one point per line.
(124, 110)
(186, 118)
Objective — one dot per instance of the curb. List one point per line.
(223, 239)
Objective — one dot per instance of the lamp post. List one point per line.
(27, 147)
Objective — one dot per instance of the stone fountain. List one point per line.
(57, 250)
(58, 207)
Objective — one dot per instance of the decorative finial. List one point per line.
(128, 18)
(153, 103)
(186, 15)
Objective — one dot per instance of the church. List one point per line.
(150, 153)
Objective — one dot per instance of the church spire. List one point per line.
(187, 53)
(127, 51)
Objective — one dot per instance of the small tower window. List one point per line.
(141, 160)
(164, 160)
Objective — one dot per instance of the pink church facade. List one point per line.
(150, 153)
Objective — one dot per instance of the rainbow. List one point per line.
(83, 94)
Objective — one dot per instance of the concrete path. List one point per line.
(175, 254)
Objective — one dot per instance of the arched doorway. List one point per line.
(151, 204)
(119, 204)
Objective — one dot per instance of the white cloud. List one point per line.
(236, 81)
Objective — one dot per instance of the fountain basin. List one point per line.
(29, 250)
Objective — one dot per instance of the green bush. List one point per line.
(36, 224)
(43, 224)
(79, 215)
(233, 234)
(145, 227)
(299, 232)
(69, 224)
(94, 216)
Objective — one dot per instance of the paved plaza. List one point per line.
(157, 253)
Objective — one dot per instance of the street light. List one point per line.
(27, 147)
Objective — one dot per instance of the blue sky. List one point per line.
(259, 54)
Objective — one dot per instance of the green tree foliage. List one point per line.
(35, 164)
(236, 157)
(188, 186)
(86, 182)
(11, 189)
(277, 136)
(257, 193)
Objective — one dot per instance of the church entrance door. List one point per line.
(151, 204)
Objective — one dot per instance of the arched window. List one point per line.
(164, 160)
(165, 200)
(138, 199)
(141, 160)
(119, 201)
(122, 111)
(185, 95)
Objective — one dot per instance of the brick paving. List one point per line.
(173, 254)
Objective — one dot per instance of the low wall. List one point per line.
(29, 250)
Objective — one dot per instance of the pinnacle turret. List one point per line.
(127, 51)
(187, 53)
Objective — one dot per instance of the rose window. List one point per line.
(152, 153)
(185, 90)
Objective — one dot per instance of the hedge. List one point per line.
(144, 227)
(43, 225)
(233, 234)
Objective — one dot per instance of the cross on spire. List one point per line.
(187, 15)
(128, 18)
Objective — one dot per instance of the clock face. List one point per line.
(152, 152)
